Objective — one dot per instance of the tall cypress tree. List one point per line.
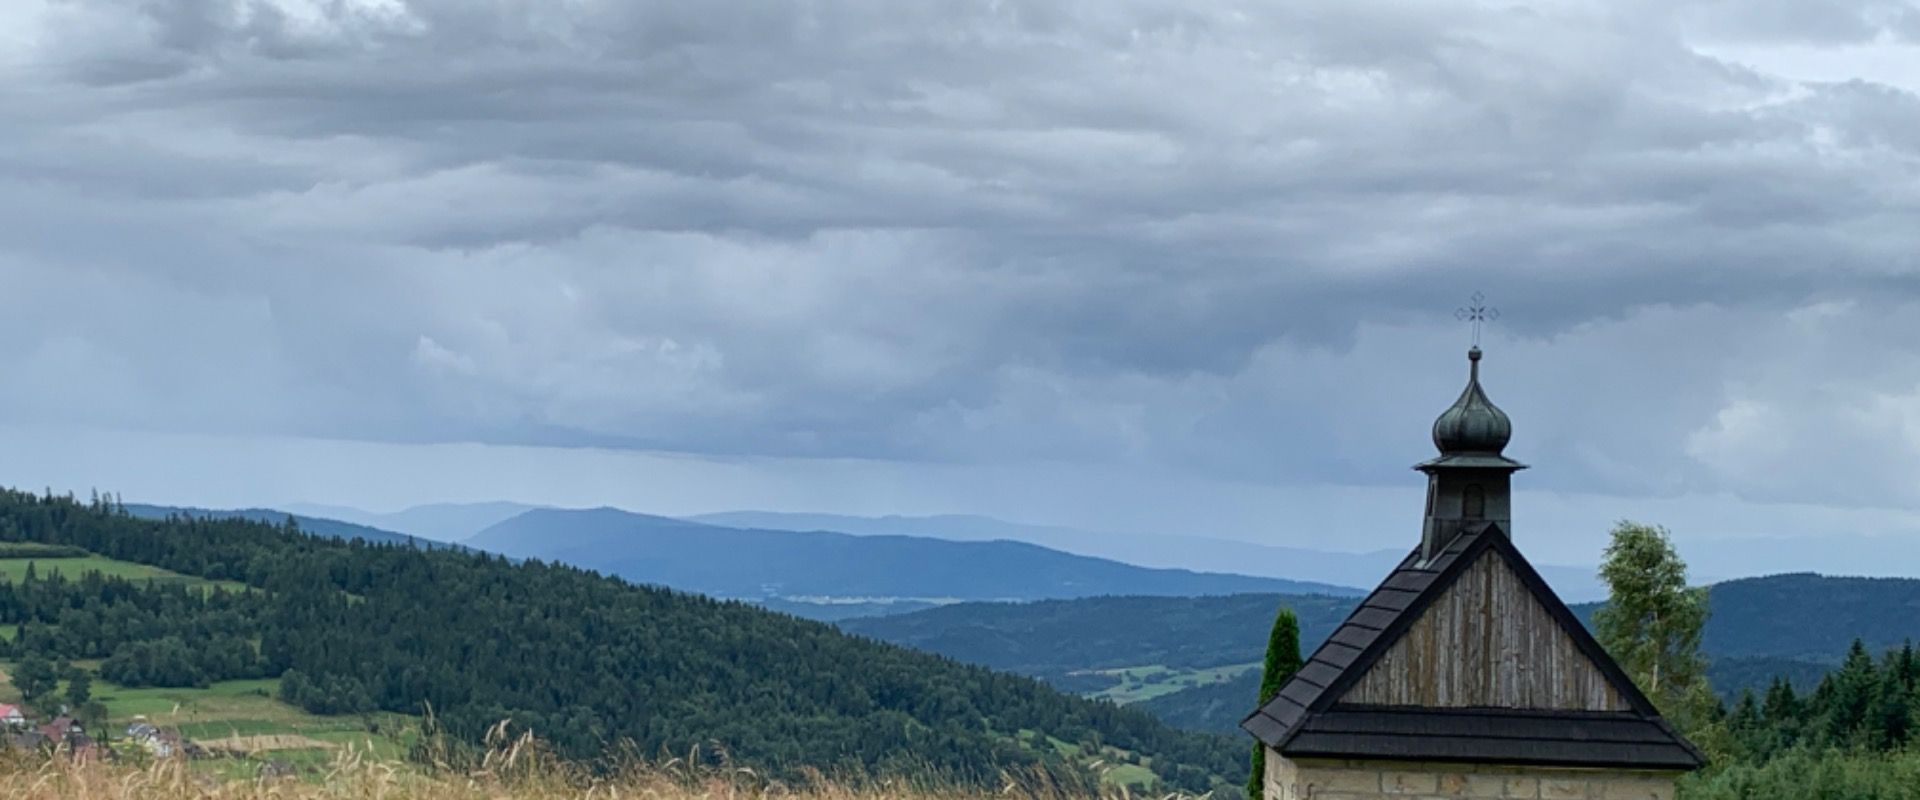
(1283, 659)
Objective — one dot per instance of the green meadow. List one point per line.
(13, 569)
(1117, 767)
(1153, 680)
(246, 719)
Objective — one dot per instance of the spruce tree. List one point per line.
(79, 687)
(1890, 713)
(1283, 659)
(1847, 694)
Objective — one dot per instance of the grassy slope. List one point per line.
(13, 569)
(1157, 680)
(245, 709)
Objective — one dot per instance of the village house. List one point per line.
(65, 733)
(10, 716)
(1463, 674)
(157, 741)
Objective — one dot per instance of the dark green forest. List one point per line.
(588, 662)
(1855, 735)
(1867, 703)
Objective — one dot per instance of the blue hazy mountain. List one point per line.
(442, 522)
(834, 567)
(1172, 551)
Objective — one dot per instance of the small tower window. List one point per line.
(1473, 503)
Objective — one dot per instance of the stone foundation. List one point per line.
(1396, 780)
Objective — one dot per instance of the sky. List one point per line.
(1148, 266)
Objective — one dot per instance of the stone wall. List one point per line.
(1393, 780)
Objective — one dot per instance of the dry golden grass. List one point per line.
(263, 742)
(517, 770)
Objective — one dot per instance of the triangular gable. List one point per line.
(1487, 641)
(1384, 617)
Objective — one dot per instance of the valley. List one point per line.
(1186, 659)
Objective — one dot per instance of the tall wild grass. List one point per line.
(516, 769)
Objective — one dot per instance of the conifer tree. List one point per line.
(1283, 659)
(79, 687)
(1890, 713)
(1847, 694)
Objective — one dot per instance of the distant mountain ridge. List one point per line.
(753, 563)
(1201, 553)
(442, 522)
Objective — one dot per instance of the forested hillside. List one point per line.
(1811, 617)
(586, 661)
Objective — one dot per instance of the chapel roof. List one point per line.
(1308, 719)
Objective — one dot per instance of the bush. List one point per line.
(1808, 775)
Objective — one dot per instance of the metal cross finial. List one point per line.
(1478, 312)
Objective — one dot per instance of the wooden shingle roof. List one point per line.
(1309, 717)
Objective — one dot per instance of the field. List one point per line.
(13, 569)
(245, 719)
(247, 713)
(1145, 683)
(1113, 764)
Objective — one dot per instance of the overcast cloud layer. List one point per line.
(1221, 243)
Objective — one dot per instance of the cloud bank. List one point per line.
(1213, 241)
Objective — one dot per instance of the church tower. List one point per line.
(1470, 484)
(1462, 674)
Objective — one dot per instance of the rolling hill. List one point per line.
(586, 661)
(1796, 625)
(825, 567)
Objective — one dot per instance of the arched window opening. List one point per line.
(1473, 505)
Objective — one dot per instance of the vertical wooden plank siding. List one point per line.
(1487, 643)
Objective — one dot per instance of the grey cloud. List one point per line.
(1805, 21)
(1188, 238)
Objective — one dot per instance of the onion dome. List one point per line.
(1473, 424)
